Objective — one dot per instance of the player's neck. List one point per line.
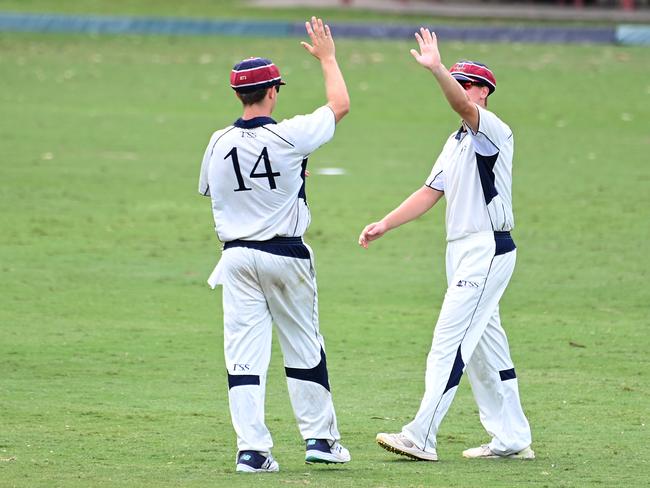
(257, 110)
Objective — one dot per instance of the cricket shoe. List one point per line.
(400, 444)
(256, 462)
(484, 452)
(324, 451)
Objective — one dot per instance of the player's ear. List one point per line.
(485, 93)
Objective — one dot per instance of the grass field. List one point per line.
(111, 364)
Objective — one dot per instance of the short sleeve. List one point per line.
(309, 132)
(204, 187)
(491, 134)
(436, 179)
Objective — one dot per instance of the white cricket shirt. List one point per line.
(254, 172)
(474, 170)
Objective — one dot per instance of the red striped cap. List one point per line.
(473, 71)
(254, 74)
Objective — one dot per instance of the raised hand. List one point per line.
(322, 43)
(429, 55)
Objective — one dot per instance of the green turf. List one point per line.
(111, 365)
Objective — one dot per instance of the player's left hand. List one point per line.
(429, 54)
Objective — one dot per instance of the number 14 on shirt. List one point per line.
(269, 174)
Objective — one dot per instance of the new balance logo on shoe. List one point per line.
(256, 462)
(324, 451)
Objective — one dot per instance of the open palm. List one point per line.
(429, 55)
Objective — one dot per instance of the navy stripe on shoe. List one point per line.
(456, 372)
(292, 247)
(507, 374)
(242, 379)
(318, 445)
(504, 243)
(317, 374)
(251, 458)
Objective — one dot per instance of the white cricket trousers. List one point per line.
(261, 288)
(468, 337)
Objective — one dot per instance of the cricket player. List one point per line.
(254, 173)
(474, 174)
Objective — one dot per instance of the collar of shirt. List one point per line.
(253, 123)
(461, 132)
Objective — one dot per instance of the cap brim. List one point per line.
(474, 79)
(261, 86)
(462, 77)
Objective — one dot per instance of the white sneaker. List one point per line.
(256, 462)
(484, 452)
(322, 451)
(400, 444)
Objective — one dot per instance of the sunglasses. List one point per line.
(277, 88)
(469, 84)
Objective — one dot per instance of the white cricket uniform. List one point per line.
(474, 170)
(254, 173)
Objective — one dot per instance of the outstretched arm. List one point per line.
(410, 209)
(429, 57)
(322, 48)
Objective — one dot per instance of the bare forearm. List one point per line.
(454, 93)
(335, 88)
(429, 58)
(413, 207)
(323, 49)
